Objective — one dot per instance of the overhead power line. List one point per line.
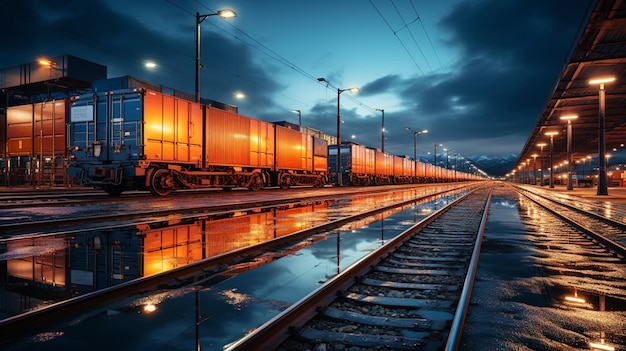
(257, 45)
(398, 38)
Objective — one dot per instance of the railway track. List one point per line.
(200, 271)
(19, 221)
(412, 292)
(595, 220)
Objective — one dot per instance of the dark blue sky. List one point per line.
(475, 73)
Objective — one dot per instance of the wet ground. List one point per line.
(540, 287)
(213, 315)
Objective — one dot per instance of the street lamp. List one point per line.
(47, 62)
(299, 117)
(225, 13)
(602, 188)
(382, 143)
(415, 133)
(534, 156)
(52, 66)
(551, 135)
(339, 91)
(541, 146)
(570, 164)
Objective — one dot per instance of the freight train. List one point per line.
(138, 139)
(125, 134)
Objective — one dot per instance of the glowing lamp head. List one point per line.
(226, 13)
(602, 80)
(569, 117)
(46, 62)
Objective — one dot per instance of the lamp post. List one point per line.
(534, 156)
(299, 117)
(225, 13)
(569, 119)
(339, 91)
(447, 157)
(541, 146)
(602, 187)
(551, 135)
(415, 133)
(435, 162)
(382, 130)
(455, 165)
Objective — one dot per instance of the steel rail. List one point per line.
(209, 211)
(458, 321)
(189, 274)
(611, 244)
(614, 222)
(279, 200)
(275, 331)
(29, 197)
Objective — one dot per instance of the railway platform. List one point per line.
(615, 194)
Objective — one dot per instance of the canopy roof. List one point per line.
(600, 52)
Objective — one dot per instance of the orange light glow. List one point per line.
(46, 62)
(602, 80)
(574, 299)
(601, 346)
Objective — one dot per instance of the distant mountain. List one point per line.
(494, 166)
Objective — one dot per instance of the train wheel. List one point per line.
(285, 182)
(256, 182)
(113, 190)
(162, 182)
(319, 182)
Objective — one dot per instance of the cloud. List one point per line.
(507, 58)
(381, 85)
(511, 54)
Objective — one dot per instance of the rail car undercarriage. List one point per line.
(162, 180)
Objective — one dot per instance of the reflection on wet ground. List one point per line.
(213, 315)
(39, 270)
(541, 287)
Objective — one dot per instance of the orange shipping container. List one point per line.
(36, 129)
(398, 166)
(320, 155)
(430, 170)
(407, 167)
(294, 150)
(358, 159)
(384, 164)
(173, 128)
(238, 141)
